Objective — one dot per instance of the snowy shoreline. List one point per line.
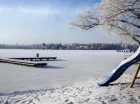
(71, 79)
(80, 93)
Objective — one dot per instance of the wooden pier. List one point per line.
(21, 62)
(34, 58)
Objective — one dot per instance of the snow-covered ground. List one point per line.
(71, 79)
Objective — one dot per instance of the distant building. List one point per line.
(85, 47)
(81, 47)
(127, 50)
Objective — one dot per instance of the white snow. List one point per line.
(71, 79)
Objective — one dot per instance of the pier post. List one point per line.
(37, 55)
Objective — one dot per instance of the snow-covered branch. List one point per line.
(121, 16)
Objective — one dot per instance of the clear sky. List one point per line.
(44, 21)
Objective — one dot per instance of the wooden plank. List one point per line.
(19, 62)
(34, 58)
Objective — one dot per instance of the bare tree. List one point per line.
(121, 17)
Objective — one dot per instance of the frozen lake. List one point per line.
(70, 67)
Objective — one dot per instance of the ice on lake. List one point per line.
(70, 67)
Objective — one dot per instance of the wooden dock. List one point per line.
(34, 58)
(21, 62)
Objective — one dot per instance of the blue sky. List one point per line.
(39, 21)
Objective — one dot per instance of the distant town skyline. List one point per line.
(45, 21)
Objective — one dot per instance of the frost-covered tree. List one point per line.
(121, 17)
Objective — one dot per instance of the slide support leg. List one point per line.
(135, 76)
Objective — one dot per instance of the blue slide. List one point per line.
(116, 73)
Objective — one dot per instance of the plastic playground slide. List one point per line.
(116, 73)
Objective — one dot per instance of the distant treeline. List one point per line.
(73, 46)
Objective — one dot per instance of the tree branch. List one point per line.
(124, 21)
